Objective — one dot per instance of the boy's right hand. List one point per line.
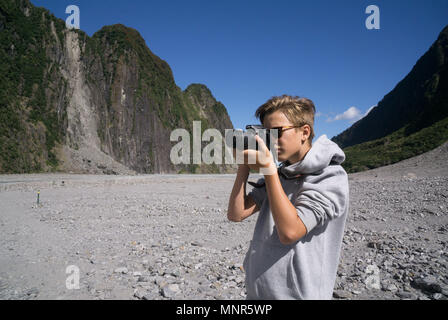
(258, 160)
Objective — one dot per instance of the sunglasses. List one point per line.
(280, 130)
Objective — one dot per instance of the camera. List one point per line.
(244, 140)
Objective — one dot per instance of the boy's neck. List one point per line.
(300, 155)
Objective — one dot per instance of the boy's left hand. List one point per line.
(260, 160)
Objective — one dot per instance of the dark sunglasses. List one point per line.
(280, 130)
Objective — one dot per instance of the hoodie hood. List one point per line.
(323, 153)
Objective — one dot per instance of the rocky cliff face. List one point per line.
(100, 104)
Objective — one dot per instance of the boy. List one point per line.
(294, 253)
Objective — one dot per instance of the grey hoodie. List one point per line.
(307, 268)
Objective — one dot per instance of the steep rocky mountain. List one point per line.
(100, 104)
(418, 101)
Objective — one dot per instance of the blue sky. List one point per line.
(245, 52)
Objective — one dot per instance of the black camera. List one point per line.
(244, 140)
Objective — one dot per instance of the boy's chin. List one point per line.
(281, 158)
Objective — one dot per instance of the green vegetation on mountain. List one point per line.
(24, 77)
(394, 147)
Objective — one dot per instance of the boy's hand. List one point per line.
(260, 160)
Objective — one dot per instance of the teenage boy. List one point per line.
(303, 205)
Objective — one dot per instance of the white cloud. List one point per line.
(370, 109)
(349, 114)
(352, 114)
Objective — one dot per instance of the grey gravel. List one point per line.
(167, 236)
(123, 270)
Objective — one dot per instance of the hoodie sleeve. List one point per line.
(322, 198)
(258, 192)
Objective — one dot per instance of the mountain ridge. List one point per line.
(99, 104)
(418, 100)
(410, 120)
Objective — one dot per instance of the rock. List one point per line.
(160, 281)
(405, 295)
(374, 245)
(372, 282)
(143, 279)
(122, 270)
(391, 287)
(169, 291)
(341, 294)
(175, 273)
(237, 266)
(437, 296)
(445, 292)
(428, 284)
(147, 297)
(198, 266)
(139, 294)
(33, 291)
(197, 244)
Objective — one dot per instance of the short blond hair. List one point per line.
(299, 111)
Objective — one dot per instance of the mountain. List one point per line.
(100, 104)
(418, 101)
(408, 121)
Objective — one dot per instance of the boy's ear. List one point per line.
(306, 132)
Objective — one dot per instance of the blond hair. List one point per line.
(299, 111)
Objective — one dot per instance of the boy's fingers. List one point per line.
(264, 152)
(242, 156)
(250, 156)
(261, 144)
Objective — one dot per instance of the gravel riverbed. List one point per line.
(167, 236)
